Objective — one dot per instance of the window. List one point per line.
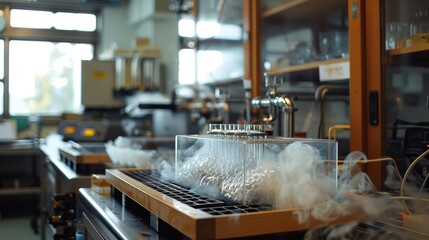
(187, 66)
(211, 46)
(1, 97)
(50, 74)
(1, 59)
(46, 20)
(44, 75)
(1, 76)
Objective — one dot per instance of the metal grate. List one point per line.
(152, 179)
(236, 209)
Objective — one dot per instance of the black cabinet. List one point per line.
(21, 181)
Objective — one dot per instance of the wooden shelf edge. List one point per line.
(407, 50)
(305, 66)
(283, 7)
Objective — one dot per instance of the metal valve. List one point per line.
(273, 81)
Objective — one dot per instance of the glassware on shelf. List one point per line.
(391, 36)
(303, 53)
(325, 44)
(341, 43)
(333, 44)
(419, 27)
(420, 22)
(398, 34)
(402, 35)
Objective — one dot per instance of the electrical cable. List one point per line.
(379, 160)
(408, 172)
(419, 196)
(409, 169)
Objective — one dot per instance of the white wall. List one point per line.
(115, 29)
(123, 24)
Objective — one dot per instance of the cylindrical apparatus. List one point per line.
(145, 73)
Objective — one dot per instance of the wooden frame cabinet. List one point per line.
(365, 57)
(365, 62)
(369, 61)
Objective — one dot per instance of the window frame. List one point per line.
(50, 35)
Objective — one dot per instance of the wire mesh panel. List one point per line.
(152, 178)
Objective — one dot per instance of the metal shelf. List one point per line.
(303, 9)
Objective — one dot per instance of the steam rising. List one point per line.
(291, 176)
(127, 152)
(296, 177)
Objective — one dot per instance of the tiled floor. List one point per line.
(19, 228)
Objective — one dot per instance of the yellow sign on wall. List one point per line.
(99, 75)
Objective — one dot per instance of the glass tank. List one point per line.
(241, 163)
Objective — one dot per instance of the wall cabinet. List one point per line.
(22, 182)
(298, 36)
(302, 35)
(389, 64)
(306, 44)
(383, 46)
(303, 41)
(20, 162)
(363, 23)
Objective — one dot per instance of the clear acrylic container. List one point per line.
(240, 163)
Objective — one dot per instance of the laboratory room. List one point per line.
(214, 119)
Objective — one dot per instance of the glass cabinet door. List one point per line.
(301, 35)
(305, 42)
(405, 83)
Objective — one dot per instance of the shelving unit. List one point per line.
(25, 151)
(22, 181)
(306, 66)
(289, 41)
(307, 12)
(414, 55)
(303, 9)
(396, 76)
(424, 47)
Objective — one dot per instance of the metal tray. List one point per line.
(200, 217)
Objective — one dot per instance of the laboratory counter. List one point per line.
(61, 178)
(116, 216)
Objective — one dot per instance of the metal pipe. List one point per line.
(288, 109)
(286, 104)
(320, 95)
(265, 103)
(323, 90)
